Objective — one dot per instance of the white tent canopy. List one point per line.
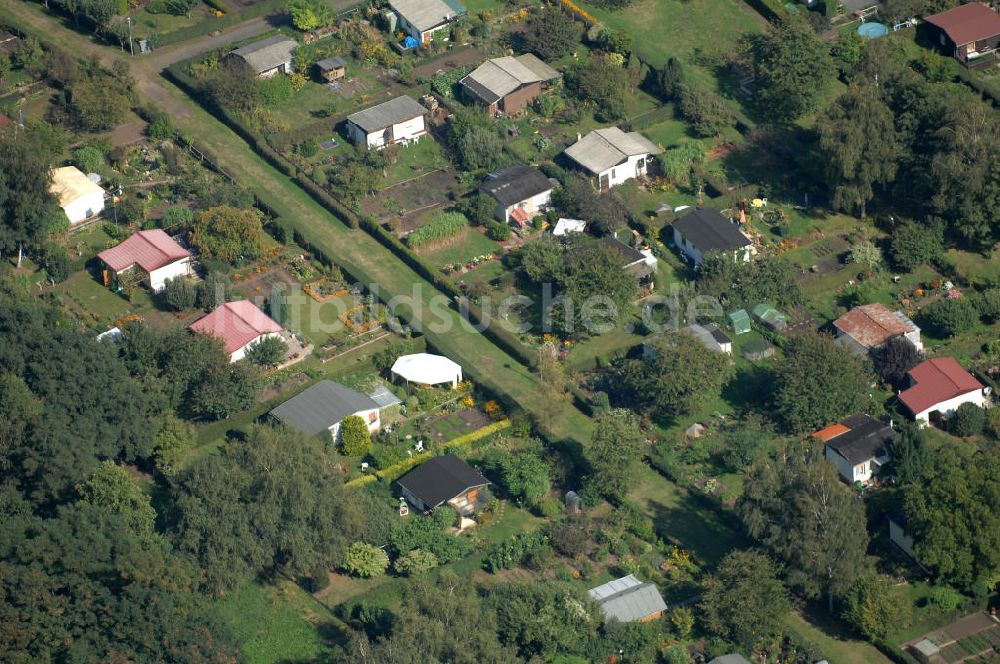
(427, 369)
(567, 226)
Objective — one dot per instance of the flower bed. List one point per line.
(322, 290)
(347, 318)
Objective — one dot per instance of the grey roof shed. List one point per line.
(321, 406)
(268, 53)
(628, 599)
(387, 113)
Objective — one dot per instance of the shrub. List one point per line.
(704, 110)
(386, 456)
(428, 533)
(354, 437)
(988, 304)
(162, 128)
(499, 231)
(912, 244)
(951, 316)
(318, 579)
(88, 159)
(969, 420)
(276, 90)
(57, 263)
(415, 562)
(177, 216)
(366, 560)
(512, 551)
(944, 599)
(179, 294)
(308, 148)
(441, 227)
(268, 352)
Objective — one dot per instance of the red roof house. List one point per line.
(239, 324)
(154, 252)
(940, 385)
(970, 33)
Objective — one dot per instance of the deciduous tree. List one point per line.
(819, 382)
(743, 601)
(796, 506)
(229, 234)
(613, 455)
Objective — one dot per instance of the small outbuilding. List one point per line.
(323, 406)
(767, 315)
(399, 120)
(740, 320)
(970, 33)
(239, 324)
(427, 369)
(612, 156)
(629, 600)
(332, 69)
(521, 193)
(154, 252)
(507, 85)
(711, 337)
(703, 231)
(422, 20)
(443, 480)
(268, 57)
(869, 327)
(80, 197)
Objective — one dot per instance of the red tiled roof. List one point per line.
(147, 249)
(935, 381)
(236, 323)
(871, 325)
(831, 431)
(967, 23)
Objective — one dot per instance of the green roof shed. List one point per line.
(740, 321)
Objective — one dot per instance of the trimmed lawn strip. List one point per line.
(835, 645)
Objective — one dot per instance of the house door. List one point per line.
(604, 183)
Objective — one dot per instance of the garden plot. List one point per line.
(402, 205)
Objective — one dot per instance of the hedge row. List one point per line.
(970, 79)
(321, 196)
(460, 444)
(897, 655)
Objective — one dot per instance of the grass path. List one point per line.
(836, 647)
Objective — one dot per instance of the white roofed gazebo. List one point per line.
(427, 369)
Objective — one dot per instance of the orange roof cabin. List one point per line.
(969, 33)
(239, 324)
(154, 252)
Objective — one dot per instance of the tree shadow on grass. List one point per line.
(749, 389)
(697, 525)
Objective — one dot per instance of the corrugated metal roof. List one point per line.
(387, 113)
(149, 250)
(871, 325)
(628, 599)
(602, 149)
(268, 53)
(501, 76)
(427, 14)
(236, 323)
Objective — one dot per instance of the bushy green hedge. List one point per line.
(441, 227)
(511, 552)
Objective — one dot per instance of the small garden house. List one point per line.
(443, 479)
(399, 120)
(507, 85)
(612, 156)
(939, 386)
(268, 57)
(239, 324)
(868, 327)
(154, 252)
(767, 315)
(969, 33)
(422, 19)
(629, 600)
(78, 196)
(858, 446)
(521, 193)
(324, 406)
(332, 69)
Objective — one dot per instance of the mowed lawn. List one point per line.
(277, 622)
(661, 29)
(462, 248)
